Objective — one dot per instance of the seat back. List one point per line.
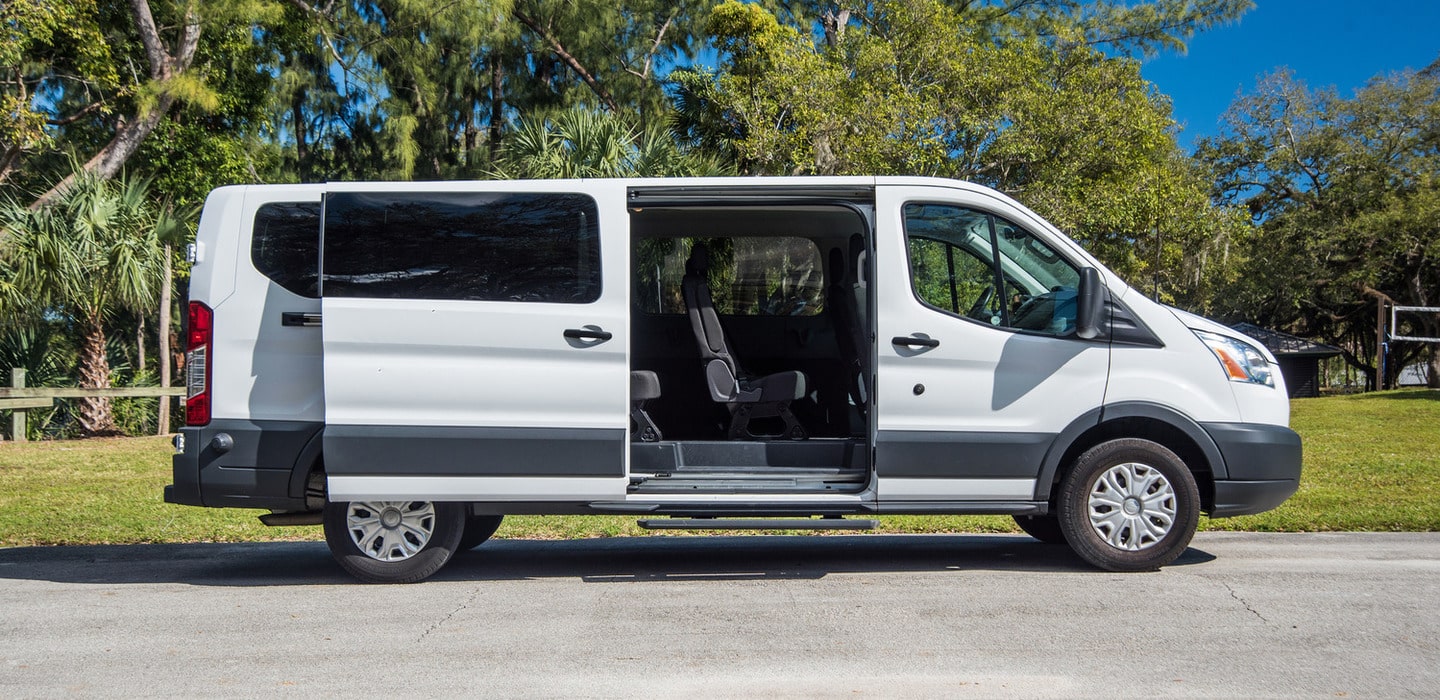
(705, 323)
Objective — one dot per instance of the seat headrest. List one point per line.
(699, 262)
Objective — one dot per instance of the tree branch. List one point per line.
(155, 53)
(76, 116)
(132, 132)
(575, 65)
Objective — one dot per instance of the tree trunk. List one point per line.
(497, 107)
(132, 132)
(140, 345)
(302, 149)
(94, 414)
(1432, 377)
(163, 354)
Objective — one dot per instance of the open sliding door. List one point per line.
(475, 340)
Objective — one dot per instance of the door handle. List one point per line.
(911, 341)
(588, 334)
(299, 318)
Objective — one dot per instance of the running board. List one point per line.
(757, 524)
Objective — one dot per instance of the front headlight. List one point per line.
(1241, 361)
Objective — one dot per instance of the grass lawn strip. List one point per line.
(1372, 463)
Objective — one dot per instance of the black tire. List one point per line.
(1045, 528)
(446, 523)
(478, 529)
(1138, 473)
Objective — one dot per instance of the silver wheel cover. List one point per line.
(1132, 506)
(390, 530)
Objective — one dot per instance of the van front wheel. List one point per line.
(393, 541)
(1045, 528)
(1129, 505)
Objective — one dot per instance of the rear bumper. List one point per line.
(244, 464)
(1262, 465)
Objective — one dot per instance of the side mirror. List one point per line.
(1090, 306)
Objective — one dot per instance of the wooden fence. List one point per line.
(19, 399)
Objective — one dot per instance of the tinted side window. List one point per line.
(749, 276)
(285, 245)
(472, 245)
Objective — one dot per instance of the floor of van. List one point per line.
(817, 465)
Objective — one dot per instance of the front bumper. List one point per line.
(1262, 467)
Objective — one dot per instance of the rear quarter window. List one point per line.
(285, 245)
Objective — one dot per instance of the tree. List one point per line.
(412, 88)
(1346, 197)
(587, 143)
(1012, 95)
(99, 77)
(89, 252)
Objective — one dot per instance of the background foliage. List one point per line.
(1304, 212)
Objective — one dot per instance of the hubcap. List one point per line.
(1132, 506)
(390, 530)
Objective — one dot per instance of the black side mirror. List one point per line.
(1090, 306)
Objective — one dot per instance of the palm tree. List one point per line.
(585, 143)
(93, 251)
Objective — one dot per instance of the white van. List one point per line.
(406, 363)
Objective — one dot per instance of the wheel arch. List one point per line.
(309, 464)
(1161, 424)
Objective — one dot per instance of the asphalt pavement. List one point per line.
(1238, 615)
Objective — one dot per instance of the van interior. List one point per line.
(752, 355)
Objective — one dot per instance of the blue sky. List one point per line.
(1325, 42)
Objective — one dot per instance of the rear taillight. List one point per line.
(198, 336)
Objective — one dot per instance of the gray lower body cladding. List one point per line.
(1262, 463)
(245, 464)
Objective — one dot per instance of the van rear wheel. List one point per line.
(1129, 505)
(478, 529)
(393, 541)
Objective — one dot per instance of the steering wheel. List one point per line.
(978, 307)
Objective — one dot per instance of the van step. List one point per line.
(758, 524)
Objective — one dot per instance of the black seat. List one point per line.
(644, 385)
(746, 396)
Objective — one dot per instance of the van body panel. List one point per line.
(977, 489)
(271, 371)
(255, 471)
(476, 451)
(268, 400)
(1184, 375)
(920, 454)
(468, 390)
(488, 489)
(1255, 451)
(986, 401)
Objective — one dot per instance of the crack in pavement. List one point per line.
(1244, 602)
(475, 593)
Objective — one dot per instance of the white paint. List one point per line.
(958, 489)
(474, 488)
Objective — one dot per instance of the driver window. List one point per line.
(971, 264)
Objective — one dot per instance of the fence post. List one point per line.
(17, 416)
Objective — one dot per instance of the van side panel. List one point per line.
(966, 409)
(267, 384)
(475, 341)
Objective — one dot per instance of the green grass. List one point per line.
(1372, 462)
